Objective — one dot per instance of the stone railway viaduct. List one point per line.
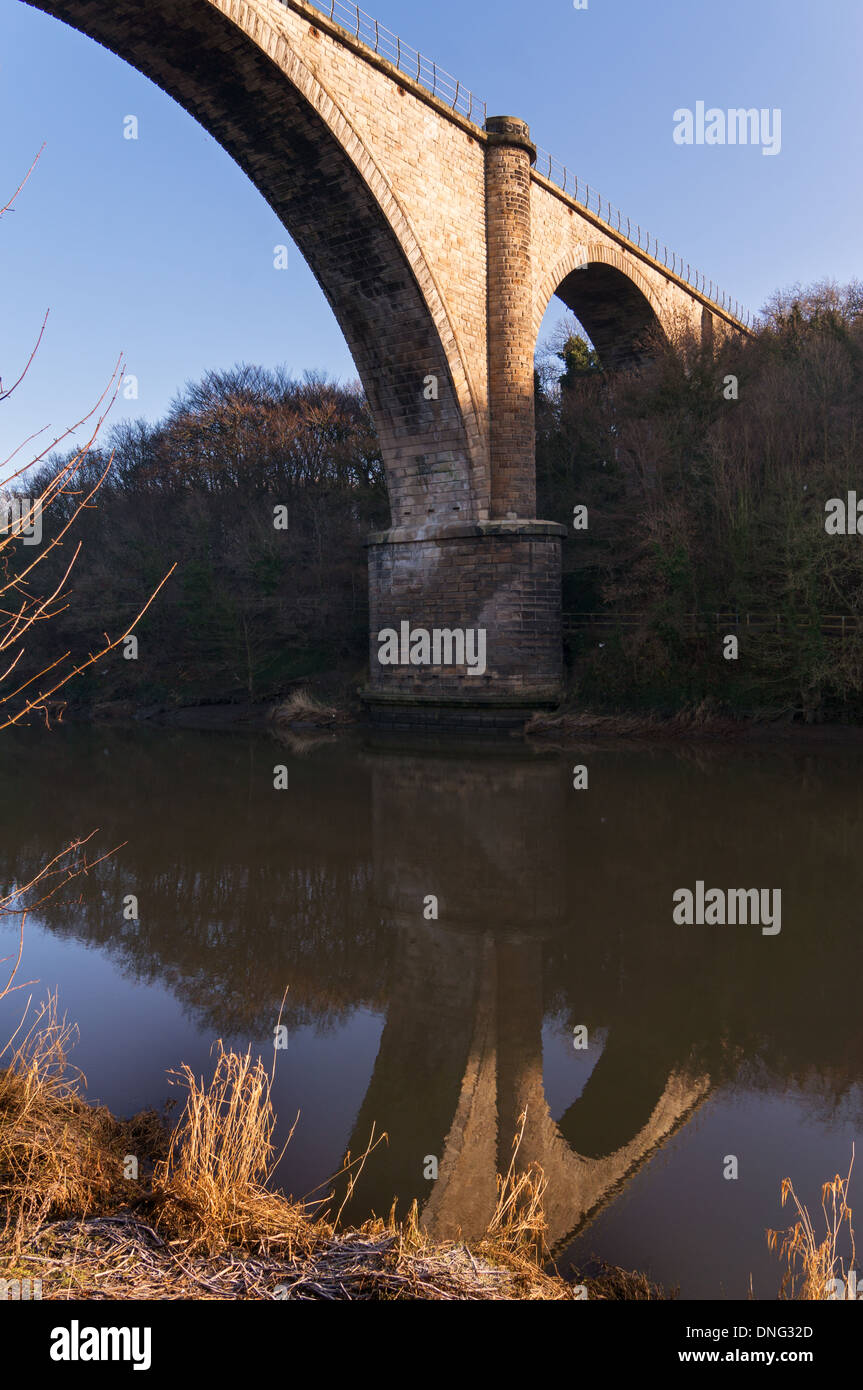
(439, 246)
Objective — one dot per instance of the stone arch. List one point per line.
(610, 296)
(232, 68)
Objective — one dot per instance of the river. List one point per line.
(463, 935)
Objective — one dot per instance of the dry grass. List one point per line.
(204, 1224)
(58, 1154)
(304, 709)
(608, 1283)
(212, 1191)
(213, 1182)
(125, 1258)
(697, 722)
(813, 1263)
(518, 1223)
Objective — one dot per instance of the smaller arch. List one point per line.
(610, 296)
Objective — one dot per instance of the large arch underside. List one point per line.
(276, 121)
(617, 317)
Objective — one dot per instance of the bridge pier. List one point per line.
(501, 579)
(509, 156)
(500, 574)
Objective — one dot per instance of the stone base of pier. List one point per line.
(496, 586)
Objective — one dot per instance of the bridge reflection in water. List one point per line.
(554, 910)
(461, 1054)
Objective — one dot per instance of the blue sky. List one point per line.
(161, 249)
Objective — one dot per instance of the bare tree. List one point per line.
(23, 605)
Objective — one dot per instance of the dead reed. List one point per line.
(58, 1155)
(304, 710)
(816, 1267)
(213, 1182)
(201, 1221)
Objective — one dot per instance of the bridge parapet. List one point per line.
(454, 96)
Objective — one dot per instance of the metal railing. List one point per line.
(457, 97)
(592, 200)
(408, 60)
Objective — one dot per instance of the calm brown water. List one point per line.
(554, 911)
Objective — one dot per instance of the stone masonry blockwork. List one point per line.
(438, 246)
(503, 582)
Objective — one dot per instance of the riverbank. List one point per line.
(313, 710)
(96, 1207)
(572, 727)
(122, 1258)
